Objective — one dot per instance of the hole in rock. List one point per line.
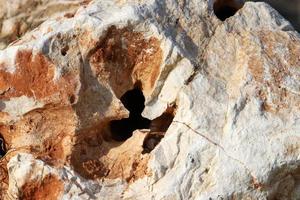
(72, 99)
(224, 9)
(64, 50)
(158, 128)
(162, 123)
(134, 102)
(151, 141)
(2, 147)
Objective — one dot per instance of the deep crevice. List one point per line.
(158, 128)
(121, 130)
(151, 141)
(2, 147)
(224, 9)
(64, 50)
(134, 102)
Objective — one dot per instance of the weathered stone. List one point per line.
(213, 103)
(19, 16)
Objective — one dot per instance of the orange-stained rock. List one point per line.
(124, 57)
(50, 188)
(34, 77)
(136, 99)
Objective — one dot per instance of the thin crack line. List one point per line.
(218, 145)
(202, 135)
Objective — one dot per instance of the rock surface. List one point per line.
(20, 16)
(210, 90)
(290, 9)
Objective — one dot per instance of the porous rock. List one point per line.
(20, 16)
(222, 96)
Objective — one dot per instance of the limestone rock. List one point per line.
(19, 16)
(160, 99)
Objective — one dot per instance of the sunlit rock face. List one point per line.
(160, 99)
(20, 16)
(290, 9)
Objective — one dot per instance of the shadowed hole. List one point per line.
(2, 147)
(151, 141)
(121, 130)
(133, 101)
(158, 128)
(72, 99)
(64, 50)
(224, 9)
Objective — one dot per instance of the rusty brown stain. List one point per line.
(92, 158)
(139, 169)
(34, 78)
(50, 188)
(281, 98)
(256, 68)
(124, 57)
(292, 146)
(51, 126)
(4, 181)
(294, 49)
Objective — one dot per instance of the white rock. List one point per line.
(232, 85)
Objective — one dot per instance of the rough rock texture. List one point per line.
(290, 9)
(19, 16)
(222, 104)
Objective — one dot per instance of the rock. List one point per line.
(288, 9)
(19, 16)
(209, 106)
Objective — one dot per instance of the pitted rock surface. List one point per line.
(210, 91)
